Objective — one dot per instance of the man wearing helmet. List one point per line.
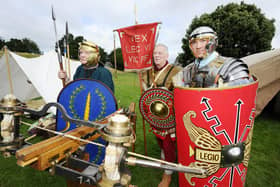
(90, 67)
(209, 68)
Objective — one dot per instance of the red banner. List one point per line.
(214, 131)
(137, 43)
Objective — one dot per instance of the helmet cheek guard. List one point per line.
(212, 45)
(93, 59)
(205, 33)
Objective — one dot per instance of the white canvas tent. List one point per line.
(38, 76)
(32, 77)
(266, 67)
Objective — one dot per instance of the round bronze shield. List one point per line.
(156, 107)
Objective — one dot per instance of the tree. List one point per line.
(241, 28)
(119, 59)
(2, 43)
(103, 55)
(30, 46)
(15, 45)
(74, 47)
(24, 45)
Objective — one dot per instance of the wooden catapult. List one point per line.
(61, 155)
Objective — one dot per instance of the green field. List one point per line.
(264, 165)
(23, 54)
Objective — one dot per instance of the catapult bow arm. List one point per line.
(65, 116)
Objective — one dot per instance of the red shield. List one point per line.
(214, 130)
(156, 106)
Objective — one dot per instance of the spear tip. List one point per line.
(66, 28)
(53, 16)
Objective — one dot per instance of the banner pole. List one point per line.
(143, 121)
(115, 54)
(135, 13)
(137, 51)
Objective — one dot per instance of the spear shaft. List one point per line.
(58, 48)
(68, 52)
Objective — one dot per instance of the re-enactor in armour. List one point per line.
(210, 69)
(161, 77)
(206, 134)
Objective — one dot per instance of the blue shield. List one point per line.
(88, 100)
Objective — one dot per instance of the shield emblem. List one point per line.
(156, 107)
(86, 100)
(214, 131)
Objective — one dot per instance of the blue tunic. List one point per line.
(100, 73)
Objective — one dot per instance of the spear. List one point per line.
(68, 52)
(64, 53)
(58, 48)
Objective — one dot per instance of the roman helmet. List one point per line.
(207, 33)
(93, 49)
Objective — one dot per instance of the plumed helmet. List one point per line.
(205, 32)
(93, 50)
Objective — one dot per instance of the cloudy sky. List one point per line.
(96, 19)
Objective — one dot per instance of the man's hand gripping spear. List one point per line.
(58, 48)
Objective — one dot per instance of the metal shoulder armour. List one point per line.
(187, 74)
(233, 69)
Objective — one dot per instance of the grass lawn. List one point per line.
(264, 165)
(23, 54)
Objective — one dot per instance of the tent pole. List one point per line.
(9, 70)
